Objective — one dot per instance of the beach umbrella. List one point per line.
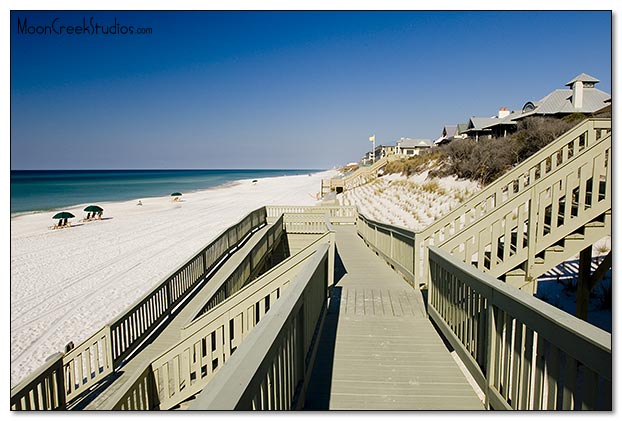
(63, 216)
(176, 194)
(93, 208)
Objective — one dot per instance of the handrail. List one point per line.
(337, 214)
(187, 367)
(270, 369)
(395, 244)
(360, 176)
(245, 271)
(99, 355)
(229, 313)
(523, 352)
(560, 152)
(42, 389)
(407, 250)
(126, 332)
(502, 232)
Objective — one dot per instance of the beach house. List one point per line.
(383, 150)
(408, 147)
(581, 96)
(450, 133)
(492, 127)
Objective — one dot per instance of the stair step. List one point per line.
(595, 224)
(575, 236)
(539, 261)
(555, 249)
(515, 272)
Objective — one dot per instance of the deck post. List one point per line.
(583, 283)
(491, 352)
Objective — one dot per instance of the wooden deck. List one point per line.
(378, 350)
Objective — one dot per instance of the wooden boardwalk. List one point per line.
(170, 335)
(378, 350)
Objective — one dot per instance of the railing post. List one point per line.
(532, 232)
(491, 351)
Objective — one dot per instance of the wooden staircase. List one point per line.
(569, 246)
(357, 178)
(543, 212)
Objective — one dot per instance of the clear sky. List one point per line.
(278, 89)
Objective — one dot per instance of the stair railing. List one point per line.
(560, 153)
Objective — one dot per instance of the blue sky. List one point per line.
(279, 89)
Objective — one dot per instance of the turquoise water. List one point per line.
(46, 190)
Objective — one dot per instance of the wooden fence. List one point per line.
(97, 357)
(524, 354)
(270, 370)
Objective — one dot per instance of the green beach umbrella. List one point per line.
(176, 194)
(63, 215)
(93, 208)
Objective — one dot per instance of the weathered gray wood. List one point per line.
(134, 368)
(385, 353)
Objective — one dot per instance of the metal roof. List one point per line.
(583, 77)
(560, 101)
(414, 143)
(449, 131)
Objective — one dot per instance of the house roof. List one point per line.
(583, 77)
(440, 140)
(479, 123)
(450, 131)
(560, 101)
(413, 143)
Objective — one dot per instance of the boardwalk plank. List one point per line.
(385, 360)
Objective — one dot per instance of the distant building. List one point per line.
(488, 127)
(409, 147)
(451, 133)
(382, 150)
(580, 97)
(367, 158)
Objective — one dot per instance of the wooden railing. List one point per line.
(336, 214)
(231, 311)
(563, 152)
(209, 341)
(43, 389)
(104, 351)
(361, 176)
(248, 268)
(394, 244)
(524, 353)
(537, 181)
(561, 202)
(271, 368)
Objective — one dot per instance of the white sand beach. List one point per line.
(68, 283)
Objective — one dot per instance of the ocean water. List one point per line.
(47, 190)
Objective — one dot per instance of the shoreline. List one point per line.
(226, 184)
(68, 283)
(17, 214)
